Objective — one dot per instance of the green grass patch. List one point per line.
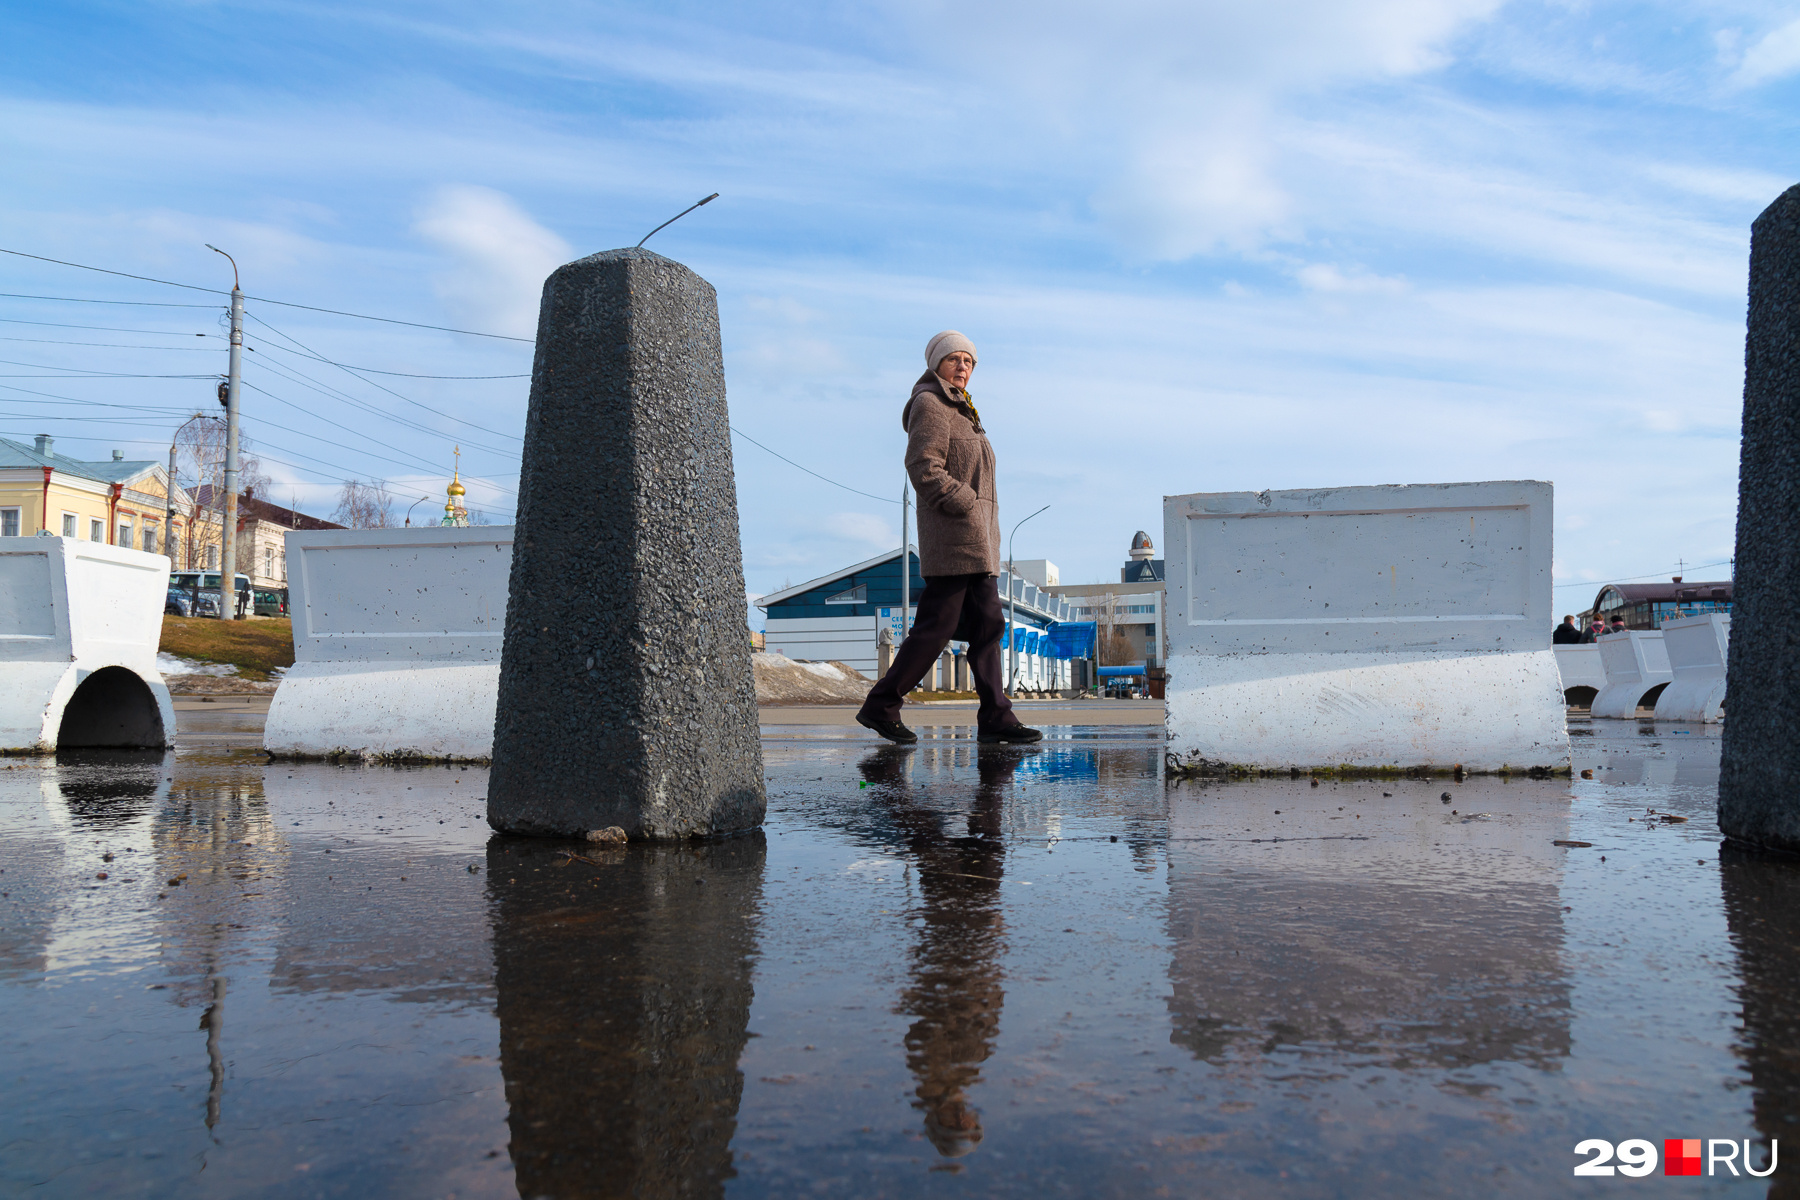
(253, 647)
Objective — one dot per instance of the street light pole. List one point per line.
(228, 532)
(905, 557)
(1012, 650)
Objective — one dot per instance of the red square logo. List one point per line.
(1681, 1156)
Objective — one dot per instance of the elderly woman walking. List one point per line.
(952, 468)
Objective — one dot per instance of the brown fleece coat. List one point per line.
(952, 468)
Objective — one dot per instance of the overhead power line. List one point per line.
(370, 370)
(90, 300)
(192, 287)
(105, 328)
(416, 463)
(1640, 578)
(351, 371)
(117, 345)
(790, 462)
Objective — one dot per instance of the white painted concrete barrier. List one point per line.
(1696, 651)
(1636, 663)
(1367, 627)
(1579, 666)
(396, 643)
(79, 626)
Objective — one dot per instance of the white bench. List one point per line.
(397, 637)
(1696, 648)
(79, 626)
(1368, 627)
(1637, 663)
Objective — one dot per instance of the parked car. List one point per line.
(205, 586)
(270, 602)
(181, 603)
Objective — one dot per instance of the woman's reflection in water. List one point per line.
(955, 991)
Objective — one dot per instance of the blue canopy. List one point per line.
(1135, 669)
(1071, 639)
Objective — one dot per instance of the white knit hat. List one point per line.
(947, 342)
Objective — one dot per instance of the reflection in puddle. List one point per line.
(1762, 904)
(1041, 969)
(623, 985)
(1371, 952)
(103, 788)
(953, 992)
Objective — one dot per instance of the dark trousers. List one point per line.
(964, 607)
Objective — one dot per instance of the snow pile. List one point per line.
(781, 680)
(174, 664)
(188, 677)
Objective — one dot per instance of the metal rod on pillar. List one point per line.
(228, 606)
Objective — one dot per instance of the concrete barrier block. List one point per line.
(1697, 648)
(1579, 666)
(1367, 627)
(397, 638)
(79, 626)
(1637, 663)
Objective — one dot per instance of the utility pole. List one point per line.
(905, 557)
(1012, 585)
(228, 531)
(169, 507)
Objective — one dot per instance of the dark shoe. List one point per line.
(893, 731)
(1015, 734)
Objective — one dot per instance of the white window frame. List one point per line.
(70, 523)
(96, 529)
(14, 517)
(123, 534)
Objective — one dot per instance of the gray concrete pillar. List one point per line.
(945, 672)
(1759, 775)
(962, 674)
(626, 696)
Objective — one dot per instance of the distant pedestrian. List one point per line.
(952, 467)
(1618, 625)
(1566, 634)
(1595, 628)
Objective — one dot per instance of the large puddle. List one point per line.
(1025, 972)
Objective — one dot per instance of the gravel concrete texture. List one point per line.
(626, 696)
(1759, 783)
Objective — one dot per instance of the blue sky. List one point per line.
(1201, 246)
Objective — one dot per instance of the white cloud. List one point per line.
(1324, 277)
(1775, 54)
(502, 258)
(875, 532)
(1172, 105)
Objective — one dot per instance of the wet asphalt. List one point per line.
(937, 970)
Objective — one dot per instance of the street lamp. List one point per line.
(413, 505)
(1012, 651)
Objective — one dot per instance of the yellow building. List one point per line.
(122, 502)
